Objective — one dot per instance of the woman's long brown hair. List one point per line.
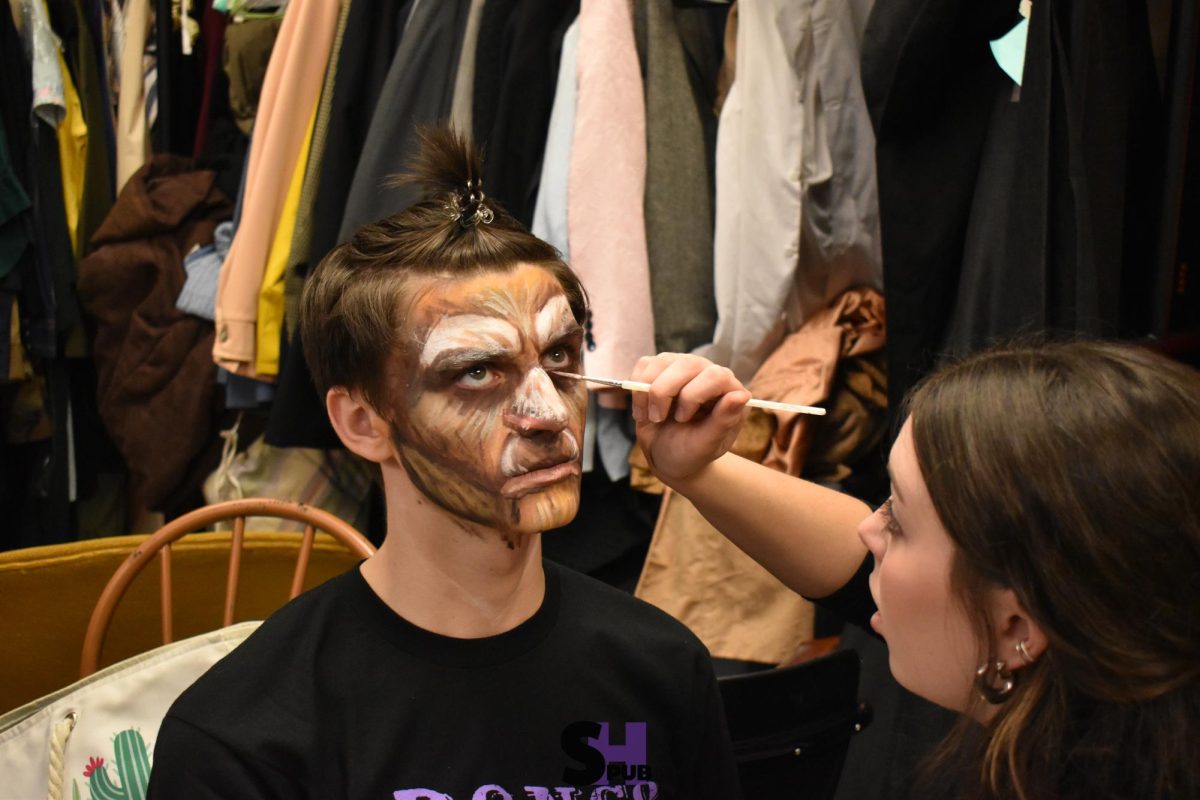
(1070, 473)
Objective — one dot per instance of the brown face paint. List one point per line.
(481, 426)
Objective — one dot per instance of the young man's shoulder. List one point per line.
(249, 722)
(608, 613)
(257, 671)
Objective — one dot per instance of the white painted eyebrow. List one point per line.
(554, 320)
(489, 335)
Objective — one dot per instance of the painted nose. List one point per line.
(537, 408)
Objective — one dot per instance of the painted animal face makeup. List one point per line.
(481, 426)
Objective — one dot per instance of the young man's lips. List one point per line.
(523, 484)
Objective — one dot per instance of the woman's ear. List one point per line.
(358, 425)
(1019, 639)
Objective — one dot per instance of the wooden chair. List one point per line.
(791, 726)
(202, 519)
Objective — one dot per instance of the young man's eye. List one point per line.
(476, 376)
(557, 357)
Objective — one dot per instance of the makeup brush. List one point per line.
(635, 386)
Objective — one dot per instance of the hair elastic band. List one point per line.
(473, 211)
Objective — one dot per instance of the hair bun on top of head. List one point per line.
(450, 169)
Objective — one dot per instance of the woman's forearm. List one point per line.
(801, 532)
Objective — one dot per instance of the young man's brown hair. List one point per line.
(351, 306)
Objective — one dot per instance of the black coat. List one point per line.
(1003, 211)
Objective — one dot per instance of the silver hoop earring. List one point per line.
(1023, 652)
(995, 682)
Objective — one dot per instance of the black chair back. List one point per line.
(791, 726)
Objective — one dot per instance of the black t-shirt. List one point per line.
(853, 601)
(336, 696)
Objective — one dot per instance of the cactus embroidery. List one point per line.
(133, 769)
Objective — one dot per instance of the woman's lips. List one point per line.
(876, 618)
(532, 481)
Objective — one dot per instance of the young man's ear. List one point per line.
(358, 425)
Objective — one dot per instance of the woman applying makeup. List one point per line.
(1035, 568)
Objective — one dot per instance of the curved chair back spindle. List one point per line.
(202, 519)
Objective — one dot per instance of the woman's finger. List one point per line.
(664, 388)
(646, 370)
(704, 389)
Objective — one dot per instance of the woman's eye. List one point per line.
(889, 517)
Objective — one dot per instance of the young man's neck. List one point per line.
(451, 576)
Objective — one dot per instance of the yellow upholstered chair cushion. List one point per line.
(47, 595)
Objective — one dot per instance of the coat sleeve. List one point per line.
(853, 602)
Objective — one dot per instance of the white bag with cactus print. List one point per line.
(94, 738)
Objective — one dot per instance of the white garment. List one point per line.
(133, 124)
(462, 111)
(42, 47)
(550, 212)
(797, 213)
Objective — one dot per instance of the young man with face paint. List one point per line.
(454, 664)
(481, 426)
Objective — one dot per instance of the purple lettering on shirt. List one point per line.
(644, 791)
(609, 793)
(559, 793)
(491, 792)
(633, 751)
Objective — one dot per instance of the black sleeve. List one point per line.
(853, 602)
(712, 773)
(189, 764)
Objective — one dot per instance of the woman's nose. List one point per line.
(873, 533)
